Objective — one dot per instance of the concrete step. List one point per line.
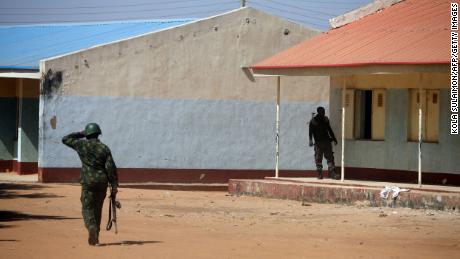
(177, 186)
(333, 191)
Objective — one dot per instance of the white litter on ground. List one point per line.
(395, 190)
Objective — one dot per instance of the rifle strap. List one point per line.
(109, 223)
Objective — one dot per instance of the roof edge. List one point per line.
(21, 68)
(141, 35)
(353, 64)
(359, 13)
(20, 74)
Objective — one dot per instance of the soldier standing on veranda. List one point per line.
(320, 129)
(98, 169)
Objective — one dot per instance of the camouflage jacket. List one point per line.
(97, 162)
(320, 129)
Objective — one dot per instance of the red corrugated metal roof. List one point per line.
(409, 32)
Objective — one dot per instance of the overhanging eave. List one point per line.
(353, 70)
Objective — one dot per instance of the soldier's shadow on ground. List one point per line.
(8, 191)
(19, 187)
(129, 243)
(5, 226)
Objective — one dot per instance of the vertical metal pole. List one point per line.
(243, 3)
(420, 128)
(342, 168)
(20, 94)
(278, 90)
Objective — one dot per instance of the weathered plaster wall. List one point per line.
(179, 98)
(200, 60)
(396, 152)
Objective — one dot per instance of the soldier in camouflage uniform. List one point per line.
(98, 169)
(321, 130)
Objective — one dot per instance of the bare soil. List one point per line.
(44, 221)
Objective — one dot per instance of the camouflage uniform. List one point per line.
(98, 169)
(320, 129)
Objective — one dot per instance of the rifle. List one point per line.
(113, 205)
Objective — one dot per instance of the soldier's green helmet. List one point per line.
(92, 128)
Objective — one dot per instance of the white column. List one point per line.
(277, 148)
(342, 168)
(20, 94)
(420, 128)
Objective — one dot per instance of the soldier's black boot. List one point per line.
(92, 239)
(97, 238)
(333, 175)
(320, 173)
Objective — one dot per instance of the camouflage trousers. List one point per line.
(92, 200)
(324, 149)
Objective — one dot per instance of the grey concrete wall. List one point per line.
(178, 98)
(198, 134)
(396, 152)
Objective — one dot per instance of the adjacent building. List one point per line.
(389, 65)
(20, 77)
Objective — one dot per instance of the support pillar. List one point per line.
(277, 148)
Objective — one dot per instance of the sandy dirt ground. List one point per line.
(44, 221)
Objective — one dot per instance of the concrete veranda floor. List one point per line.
(370, 184)
(14, 177)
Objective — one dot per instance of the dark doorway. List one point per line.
(363, 114)
(367, 114)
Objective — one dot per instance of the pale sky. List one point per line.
(311, 13)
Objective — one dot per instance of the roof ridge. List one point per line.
(363, 11)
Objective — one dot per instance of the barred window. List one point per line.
(430, 114)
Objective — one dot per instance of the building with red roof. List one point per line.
(389, 66)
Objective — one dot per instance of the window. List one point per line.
(365, 115)
(430, 115)
(349, 114)
(378, 114)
